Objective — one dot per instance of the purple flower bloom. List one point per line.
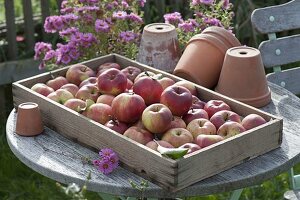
(87, 9)
(141, 3)
(135, 18)
(105, 153)
(68, 31)
(77, 37)
(105, 167)
(124, 4)
(120, 15)
(127, 36)
(66, 59)
(69, 18)
(42, 65)
(108, 161)
(114, 161)
(63, 48)
(74, 54)
(213, 22)
(101, 26)
(173, 18)
(49, 55)
(205, 2)
(225, 4)
(187, 26)
(41, 48)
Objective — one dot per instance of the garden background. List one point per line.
(19, 182)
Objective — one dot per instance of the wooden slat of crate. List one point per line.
(171, 174)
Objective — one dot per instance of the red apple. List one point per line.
(157, 118)
(188, 85)
(60, 96)
(42, 89)
(229, 129)
(177, 136)
(177, 122)
(201, 126)
(117, 126)
(140, 124)
(131, 72)
(99, 112)
(220, 117)
(75, 104)
(213, 106)
(71, 88)
(145, 73)
(77, 73)
(148, 88)
(164, 81)
(178, 99)
(139, 135)
(197, 103)
(191, 146)
(129, 84)
(88, 92)
(128, 107)
(194, 114)
(106, 99)
(112, 81)
(207, 140)
(252, 120)
(57, 82)
(153, 145)
(106, 66)
(89, 81)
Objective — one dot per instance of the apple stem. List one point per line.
(156, 142)
(147, 74)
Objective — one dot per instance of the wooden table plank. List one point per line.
(44, 154)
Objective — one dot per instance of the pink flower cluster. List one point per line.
(91, 28)
(108, 161)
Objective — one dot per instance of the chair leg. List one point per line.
(291, 179)
(236, 194)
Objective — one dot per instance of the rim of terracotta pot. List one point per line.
(159, 28)
(257, 101)
(212, 40)
(224, 34)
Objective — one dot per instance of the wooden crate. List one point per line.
(170, 174)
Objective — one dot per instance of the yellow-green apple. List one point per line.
(252, 120)
(57, 82)
(131, 72)
(177, 98)
(220, 117)
(164, 81)
(99, 112)
(60, 96)
(89, 81)
(207, 140)
(194, 114)
(201, 126)
(142, 74)
(128, 107)
(112, 81)
(188, 85)
(106, 99)
(42, 89)
(197, 103)
(77, 73)
(153, 145)
(106, 66)
(148, 88)
(88, 92)
(157, 118)
(191, 146)
(229, 129)
(71, 88)
(77, 105)
(117, 126)
(213, 106)
(177, 122)
(139, 135)
(177, 136)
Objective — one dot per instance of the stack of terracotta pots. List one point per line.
(216, 59)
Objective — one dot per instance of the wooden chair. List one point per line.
(280, 51)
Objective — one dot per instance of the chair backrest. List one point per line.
(279, 51)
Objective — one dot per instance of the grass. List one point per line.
(18, 182)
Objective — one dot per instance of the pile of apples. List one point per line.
(144, 106)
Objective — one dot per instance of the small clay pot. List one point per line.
(202, 60)
(29, 120)
(243, 77)
(227, 37)
(159, 47)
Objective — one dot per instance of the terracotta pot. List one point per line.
(202, 60)
(227, 37)
(159, 47)
(243, 77)
(29, 121)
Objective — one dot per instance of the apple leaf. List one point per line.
(173, 153)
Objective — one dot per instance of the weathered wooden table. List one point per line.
(62, 160)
